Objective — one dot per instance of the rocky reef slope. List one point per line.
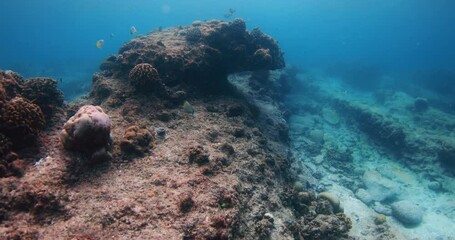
(192, 153)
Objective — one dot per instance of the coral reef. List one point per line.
(200, 55)
(44, 93)
(21, 121)
(220, 166)
(25, 108)
(87, 131)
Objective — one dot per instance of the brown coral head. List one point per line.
(11, 84)
(21, 121)
(144, 77)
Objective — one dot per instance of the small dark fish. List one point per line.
(230, 12)
(61, 80)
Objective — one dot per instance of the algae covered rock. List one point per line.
(328, 227)
(332, 198)
(87, 131)
(136, 140)
(379, 187)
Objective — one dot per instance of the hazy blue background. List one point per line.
(57, 37)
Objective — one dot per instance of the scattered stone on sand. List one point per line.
(379, 187)
(364, 196)
(382, 209)
(407, 212)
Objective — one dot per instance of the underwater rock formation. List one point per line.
(385, 132)
(200, 55)
(88, 130)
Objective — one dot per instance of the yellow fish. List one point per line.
(99, 43)
(133, 30)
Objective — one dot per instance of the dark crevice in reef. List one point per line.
(189, 141)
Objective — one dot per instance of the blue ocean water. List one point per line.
(57, 37)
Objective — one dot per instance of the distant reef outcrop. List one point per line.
(200, 55)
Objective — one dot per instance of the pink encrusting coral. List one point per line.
(88, 130)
